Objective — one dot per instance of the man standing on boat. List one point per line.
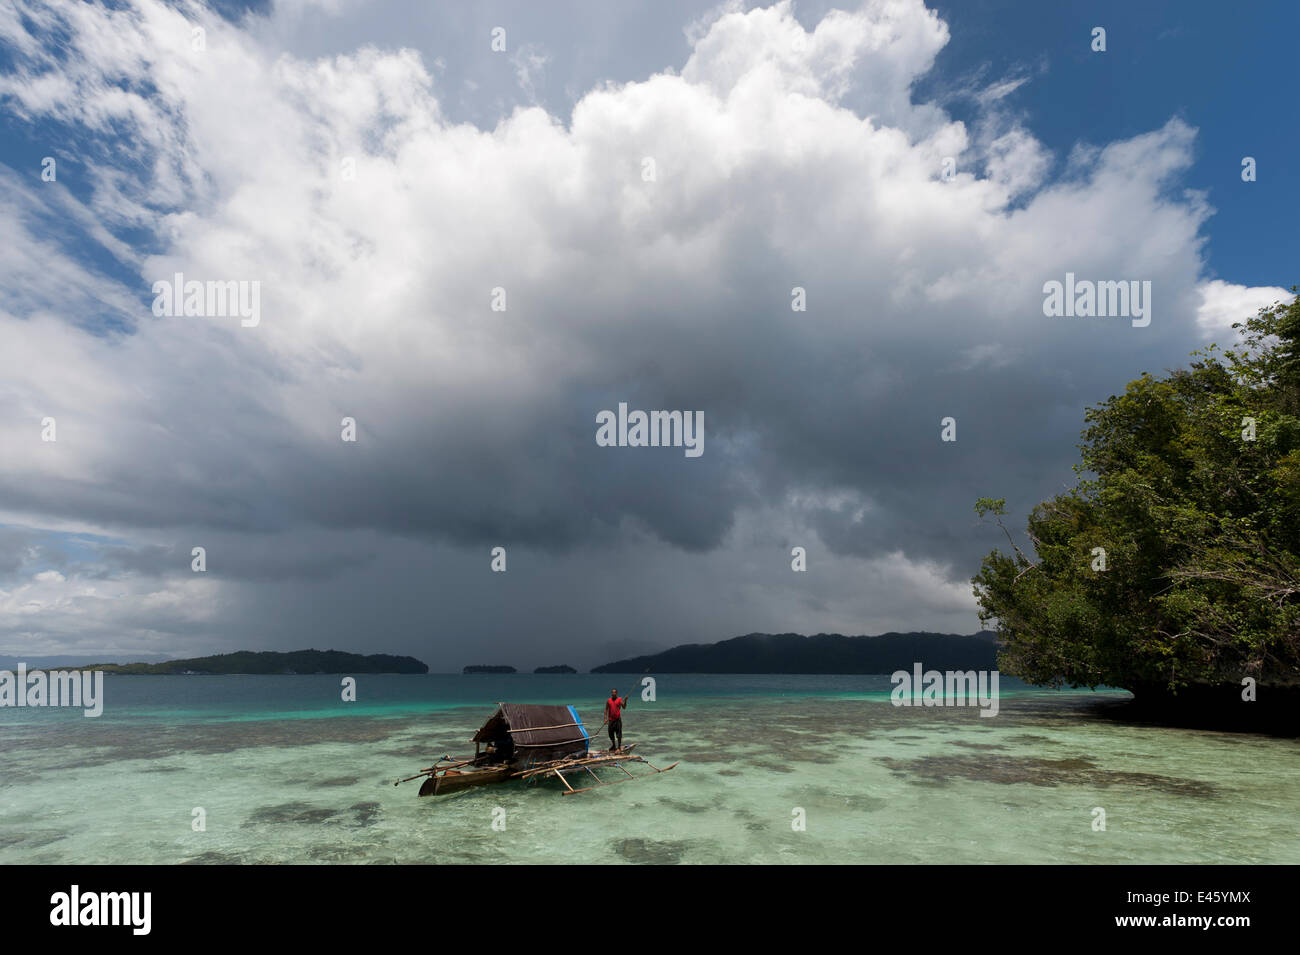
(614, 715)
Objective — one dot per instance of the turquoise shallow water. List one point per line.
(287, 772)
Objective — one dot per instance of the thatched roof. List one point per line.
(539, 732)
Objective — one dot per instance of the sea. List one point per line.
(769, 770)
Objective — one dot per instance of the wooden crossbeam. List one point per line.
(615, 782)
(567, 764)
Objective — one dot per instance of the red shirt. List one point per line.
(614, 707)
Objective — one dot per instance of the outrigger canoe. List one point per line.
(529, 742)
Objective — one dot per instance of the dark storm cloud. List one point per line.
(781, 159)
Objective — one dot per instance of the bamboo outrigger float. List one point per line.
(531, 743)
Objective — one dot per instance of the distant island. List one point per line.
(268, 662)
(562, 668)
(488, 669)
(820, 653)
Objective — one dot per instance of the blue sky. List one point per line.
(1227, 70)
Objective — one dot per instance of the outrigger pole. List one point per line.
(434, 769)
(585, 763)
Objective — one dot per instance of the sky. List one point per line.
(470, 229)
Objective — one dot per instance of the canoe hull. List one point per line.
(454, 780)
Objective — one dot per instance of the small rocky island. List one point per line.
(562, 668)
(481, 668)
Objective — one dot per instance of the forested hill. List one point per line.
(821, 653)
(269, 662)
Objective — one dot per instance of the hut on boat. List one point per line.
(526, 734)
(529, 743)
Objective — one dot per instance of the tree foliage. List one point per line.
(1198, 525)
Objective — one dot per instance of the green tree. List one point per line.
(1175, 560)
